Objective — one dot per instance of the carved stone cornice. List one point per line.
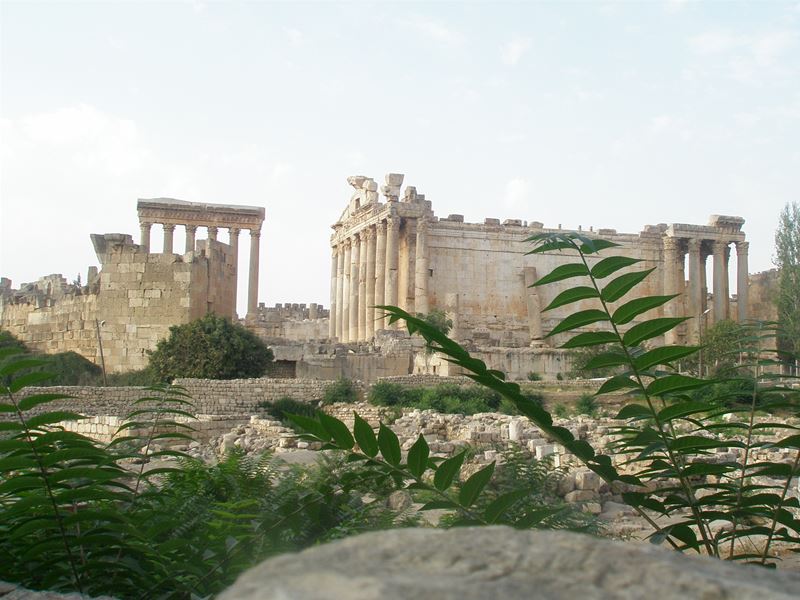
(197, 214)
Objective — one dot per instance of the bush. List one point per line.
(561, 411)
(210, 348)
(286, 405)
(94, 520)
(70, 368)
(586, 405)
(443, 398)
(533, 376)
(341, 390)
(141, 378)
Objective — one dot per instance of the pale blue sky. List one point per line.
(597, 113)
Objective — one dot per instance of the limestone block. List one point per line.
(580, 496)
(394, 179)
(587, 480)
(484, 563)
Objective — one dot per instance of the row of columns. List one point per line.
(233, 241)
(675, 250)
(365, 272)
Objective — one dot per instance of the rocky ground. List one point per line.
(488, 434)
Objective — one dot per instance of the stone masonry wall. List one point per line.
(233, 397)
(51, 316)
(136, 298)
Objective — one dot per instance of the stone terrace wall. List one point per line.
(234, 396)
(241, 396)
(206, 427)
(211, 397)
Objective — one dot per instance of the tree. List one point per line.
(437, 319)
(722, 345)
(787, 259)
(210, 348)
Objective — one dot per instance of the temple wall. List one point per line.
(58, 322)
(485, 266)
(136, 297)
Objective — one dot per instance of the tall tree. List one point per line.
(787, 259)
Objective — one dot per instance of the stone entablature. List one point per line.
(398, 252)
(170, 212)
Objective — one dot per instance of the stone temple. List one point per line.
(388, 247)
(398, 252)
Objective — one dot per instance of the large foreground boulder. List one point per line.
(499, 562)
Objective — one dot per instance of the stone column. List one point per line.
(191, 231)
(742, 282)
(144, 239)
(354, 260)
(233, 240)
(340, 249)
(695, 289)
(671, 283)
(369, 319)
(212, 233)
(704, 254)
(334, 275)
(421, 274)
(252, 285)
(380, 273)
(720, 273)
(344, 311)
(169, 231)
(392, 232)
(362, 285)
(411, 266)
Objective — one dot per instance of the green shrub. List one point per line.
(342, 390)
(286, 405)
(533, 376)
(561, 411)
(210, 348)
(141, 378)
(70, 368)
(559, 377)
(586, 405)
(443, 398)
(78, 515)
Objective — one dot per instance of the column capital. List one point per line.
(191, 228)
(694, 244)
(234, 230)
(169, 227)
(742, 248)
(145, 224)
(719, 246)
(368, 233)
(212, 228)
(671, 244)
(254, 233)
(393, 222)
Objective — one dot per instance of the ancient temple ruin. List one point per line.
(137, 295)
(398, 252)
(169, 212)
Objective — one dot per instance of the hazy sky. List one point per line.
(598, 113)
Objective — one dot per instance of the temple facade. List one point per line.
(398, 252)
